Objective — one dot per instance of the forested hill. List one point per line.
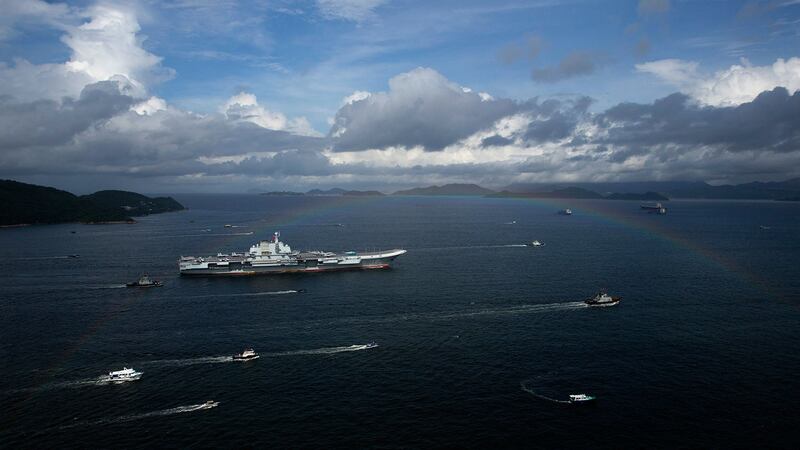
(22, 203)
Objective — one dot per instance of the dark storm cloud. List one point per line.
(46, 122)
(99, 134)
(556, 119)
(496, 141)
(421, 108)
(771, 122)
(575, 64)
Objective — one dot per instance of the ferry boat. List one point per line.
(144, 282)
(581, 398)
(121, 376)
(274, 256)
(602, 299)
(246, 355)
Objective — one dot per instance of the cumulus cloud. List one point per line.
(421, 108)
(770, 123)
(353, 10)
(104, 44)
(574, 64)
(735, 85)
(244, 107)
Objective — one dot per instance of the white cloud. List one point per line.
(244, 107)
(105, 45)
(150, 106)
(738, 84)
(18, 12)
(355, 96)
(354, 10)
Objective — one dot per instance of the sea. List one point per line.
(480, 338)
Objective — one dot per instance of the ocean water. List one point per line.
(479, 338)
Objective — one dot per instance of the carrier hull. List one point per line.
(274, 257)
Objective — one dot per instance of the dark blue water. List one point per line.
(476, 335)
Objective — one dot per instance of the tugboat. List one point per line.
(565, 212)
(121, 376)
(602, 299)
(246, 355)
(581, 398)
(144, 282)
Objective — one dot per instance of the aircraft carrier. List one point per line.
(274, 257)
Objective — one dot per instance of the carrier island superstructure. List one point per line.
(273, 257)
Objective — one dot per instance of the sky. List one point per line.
(249, 96)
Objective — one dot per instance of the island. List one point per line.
(455, 189)
(28, 204)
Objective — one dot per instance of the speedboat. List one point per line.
(121, 376)
(602, 299)
(372, 344)
(246, 355)
(581, 398)
(565, 212)
(227, 225)
(209, 404)
(144, 282)
(74, 255)
(536, 244)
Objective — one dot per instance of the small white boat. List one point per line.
(246, 355)
(372, 344)
(536, 244)
(227, 225)
(565, 212)
(209, 404)
(121, 376)
(581, 398)
(602, 299)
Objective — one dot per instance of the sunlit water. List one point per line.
(480, 338)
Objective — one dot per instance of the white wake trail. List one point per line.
(325, 350)
(131, 417)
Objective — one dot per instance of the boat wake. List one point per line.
(527, 389)
(468, 247)
(108, 286)
(447, 315)
(132, 417)
(72, 384)
(246, 294)
(188, 361)
(324, 351)
(248, 233)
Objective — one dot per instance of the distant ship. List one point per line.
(273, 256)
(565, 212)
(581, 398)
(144, 282)
(602, 299)
(121, 376)
(652, 207)
(246, 355)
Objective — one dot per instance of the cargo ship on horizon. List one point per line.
(275, 257)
